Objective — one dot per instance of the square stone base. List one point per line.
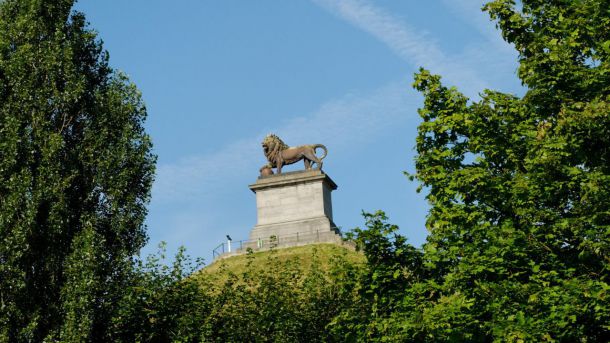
(295, 204)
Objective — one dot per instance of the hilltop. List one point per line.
(321, 256)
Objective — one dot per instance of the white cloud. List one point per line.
(470, 11)
(497, 59)
(397, 35)
(414, 47)
(190, 176)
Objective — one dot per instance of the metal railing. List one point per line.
(241, 246)
(219, 250)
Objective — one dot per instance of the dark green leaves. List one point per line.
(75, 175)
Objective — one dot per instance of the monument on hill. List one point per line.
(294, 207)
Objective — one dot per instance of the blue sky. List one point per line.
(217, 76)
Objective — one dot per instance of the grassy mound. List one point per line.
(322, 255)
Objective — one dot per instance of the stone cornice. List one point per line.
(290, 178)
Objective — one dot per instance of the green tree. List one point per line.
(376, 312)
(520, 187)
(75, 174)
(284, 301)
(163, 303)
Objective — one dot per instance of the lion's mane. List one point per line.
(275, 146)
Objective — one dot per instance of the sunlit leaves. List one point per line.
(519, 212)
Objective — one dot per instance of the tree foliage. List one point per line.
(75, 173)
(520, 218)
(519, 244)
(160, 302)
(281, 303)
(272, 300)
(380, 285)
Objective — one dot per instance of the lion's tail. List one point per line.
(316, 146)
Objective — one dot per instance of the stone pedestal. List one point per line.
(295, 207)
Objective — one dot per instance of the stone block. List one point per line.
(295, 207)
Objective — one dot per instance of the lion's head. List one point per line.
(273, 145)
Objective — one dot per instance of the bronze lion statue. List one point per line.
(279, 154)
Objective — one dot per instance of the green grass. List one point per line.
(324, 253)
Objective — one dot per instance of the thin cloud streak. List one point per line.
(403, 40)
(472, 14)
(497, 59)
